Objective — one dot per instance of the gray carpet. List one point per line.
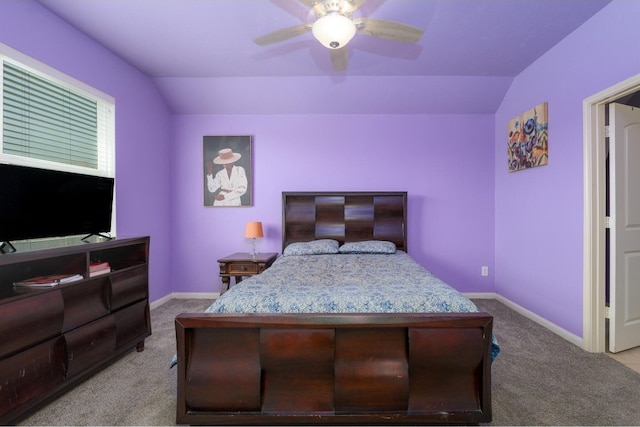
(538, 379)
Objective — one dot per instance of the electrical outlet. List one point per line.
(484, 271)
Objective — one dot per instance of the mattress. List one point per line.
(345, 283)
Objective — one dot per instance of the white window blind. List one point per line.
(44, 120)
(52, 124)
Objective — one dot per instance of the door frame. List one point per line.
(593, 121)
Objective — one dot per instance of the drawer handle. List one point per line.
(243, 268)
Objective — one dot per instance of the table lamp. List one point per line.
(253, 231)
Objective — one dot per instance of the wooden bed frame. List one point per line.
(340, 369)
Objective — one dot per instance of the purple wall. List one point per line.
(465, 210)
(142, 123)
(444, 162)
(539, 212)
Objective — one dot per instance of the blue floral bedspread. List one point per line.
(345, 283)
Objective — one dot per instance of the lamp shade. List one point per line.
(334, 30)
(253, 230)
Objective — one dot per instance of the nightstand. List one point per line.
(243, 264)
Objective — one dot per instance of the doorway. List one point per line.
(594, 241)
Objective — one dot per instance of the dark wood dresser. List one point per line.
(54, 337)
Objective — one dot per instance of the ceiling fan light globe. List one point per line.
(334, 30)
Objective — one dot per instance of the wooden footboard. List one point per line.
(334, 369)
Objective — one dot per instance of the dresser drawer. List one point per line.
(88, 345)
(30, 320)
(133, 324)
(84, 302)
(30, 375)
(128, 286)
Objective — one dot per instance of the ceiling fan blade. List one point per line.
(308, 3)
(339, 58)
(355, 5)
(297, 9)
(283, 34)
(389, 30)
(343, 7)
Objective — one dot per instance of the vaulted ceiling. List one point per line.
(201, 54)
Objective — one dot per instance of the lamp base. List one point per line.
(253, 248)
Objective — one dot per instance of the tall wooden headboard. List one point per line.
(344, 216)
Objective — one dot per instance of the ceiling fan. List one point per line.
(335, 26)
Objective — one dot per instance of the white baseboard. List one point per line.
(481, 295)
(159, 302)
(184, 295)
(574, 339)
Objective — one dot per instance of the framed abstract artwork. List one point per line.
(528, 139)
(227, 171)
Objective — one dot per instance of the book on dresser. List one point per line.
(48, 280)
(98, 268)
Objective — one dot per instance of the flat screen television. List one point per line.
(39, 203)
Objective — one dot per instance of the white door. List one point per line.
(624, 157)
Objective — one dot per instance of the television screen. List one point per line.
(38, 203)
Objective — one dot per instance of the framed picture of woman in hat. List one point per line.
(227, 171)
